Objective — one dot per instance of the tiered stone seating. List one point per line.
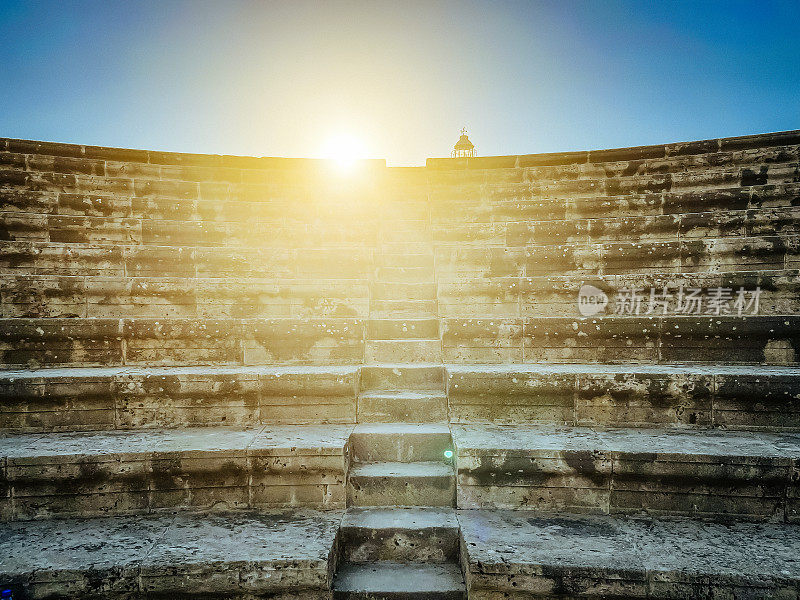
(205, 359)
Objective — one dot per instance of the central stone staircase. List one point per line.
(400, 535)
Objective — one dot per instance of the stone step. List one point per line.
(702, 474)
(83, 399)
(404, 260)
(123, 472)
(399, 309)
(709, 254)
(405, 236)
(523, 205)
(528, 206)
(404, 274)
(596, 395)
(393, 581)
(402, 535)
(603, 258)
(401, 484)
(420, 377)
(708, 339)
(403, 291)
(393, 329)
(557, 295)
(743, 219)
(403, 351)
(186, 555)
(403, 247)
(747, 223)
(654, 183)
(118, 260)
(618, 557)
(404, 407)
(181, 341)
(400, 442)
(54, 296)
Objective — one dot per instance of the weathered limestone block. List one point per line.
(520, 554)
(56, 402)
(125, 398)
(326, 395)
(44, 258)
(496, 297)
(643, 399)
(154, 261)
(138, 297)
(37, 342)
(701, 474)
(490, 261)
(482, 340)
(169, 398)
(759, 339)
(762, 400)
(743, 254)
(591, 339)
(43, 296)
(509, 395)
(183, 341)
(559, 259)
(280, 553)
(114, 473)
(304, 341)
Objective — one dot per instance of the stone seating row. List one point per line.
(595, 395)
(161, 232)
(32, 296)
(620, 339)
(736, 475)
(245, 554)
(125, 260)
(513, 553)
(527, 554)
(516, 204)
(747, 397)
(720, 474)
(197, 341)
(708, 254)
(499, 206)
(557, 295)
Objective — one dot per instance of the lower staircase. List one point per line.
(400, 536)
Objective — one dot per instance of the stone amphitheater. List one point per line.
(236, 377)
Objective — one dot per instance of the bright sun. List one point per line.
(345, 150)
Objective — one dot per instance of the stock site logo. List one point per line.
(591, 300)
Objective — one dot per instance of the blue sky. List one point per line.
(282, 78)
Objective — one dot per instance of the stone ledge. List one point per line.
(527, 554)
(623, 471)
(75, 399)
(181, 341)
(195, 555)
(730, 396)
(115, 473)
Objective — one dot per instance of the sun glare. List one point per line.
(344, 151)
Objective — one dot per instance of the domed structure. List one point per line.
(463, 148)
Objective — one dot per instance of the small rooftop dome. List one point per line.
(463, 147)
